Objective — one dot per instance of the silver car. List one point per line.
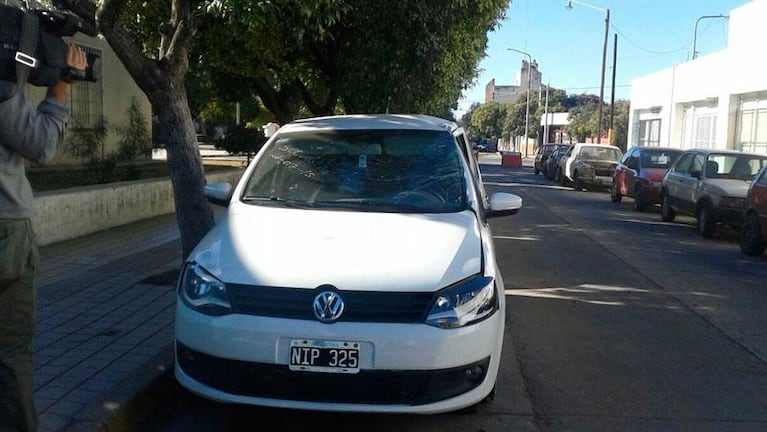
(710, 185)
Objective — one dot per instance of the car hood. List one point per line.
(301, 248)
(728, 187)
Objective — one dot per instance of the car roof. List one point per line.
(642, 148)
(725, 151)
(371, 121)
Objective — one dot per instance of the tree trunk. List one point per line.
(193, 211)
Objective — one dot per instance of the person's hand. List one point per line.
(75, 59)
(76, 56)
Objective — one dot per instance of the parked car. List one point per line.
(710, 185)
(589, 165)
(640, 173)
(354, 270)
(550, 167)
(753, 233)
(541, 155)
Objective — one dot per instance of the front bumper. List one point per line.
(405, 368)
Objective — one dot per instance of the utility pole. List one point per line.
(610, 130)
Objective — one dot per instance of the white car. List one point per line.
(588, 165)
(354, 270)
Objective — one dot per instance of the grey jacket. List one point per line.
(27, 133)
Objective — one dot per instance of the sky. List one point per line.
(567, 44)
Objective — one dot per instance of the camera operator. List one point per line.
(33, 134)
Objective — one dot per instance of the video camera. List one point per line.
(44, 55)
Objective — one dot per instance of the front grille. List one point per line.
(409, 387)
(360, 306)
(605, 172)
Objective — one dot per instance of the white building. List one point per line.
(714, 101)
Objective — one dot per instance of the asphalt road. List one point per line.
(615, 322)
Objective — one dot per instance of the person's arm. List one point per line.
(36, 133)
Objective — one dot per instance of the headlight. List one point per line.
(587, 168)
(732, 202)
(202, 292)
(464, 303)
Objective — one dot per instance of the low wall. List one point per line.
(70, 213)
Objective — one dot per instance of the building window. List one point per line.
(85, 100)
(649, 133)
(700, 125)
(752, 124)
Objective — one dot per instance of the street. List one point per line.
(616, 321)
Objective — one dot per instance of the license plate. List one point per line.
(324, 356)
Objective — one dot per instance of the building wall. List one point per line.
(510, 93)
(117, 90)
(682, 97)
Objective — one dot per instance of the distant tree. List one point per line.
(621, 124)
(583, 122)
(487, 119)
(242, 140)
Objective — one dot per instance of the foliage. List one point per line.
(331, 56)
(487, 120)
(86, 142)
(135, 138)
(583, 121)
(242, 140)
(621, 124)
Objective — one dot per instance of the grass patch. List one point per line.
(49, 178)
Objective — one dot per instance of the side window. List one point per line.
(762, 178)
(625, 158)
(697, 164)
(683, 166)
(633, 161)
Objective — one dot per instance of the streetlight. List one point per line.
(695, 35)
(527, 106)
(569, 6)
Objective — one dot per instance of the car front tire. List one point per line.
(577, 183)
(667, 214)
(705, 221)
(615, 193)
(751, 242)
(639, 201)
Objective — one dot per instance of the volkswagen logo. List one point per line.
(328, 306)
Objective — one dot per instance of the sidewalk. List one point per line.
(105, 305)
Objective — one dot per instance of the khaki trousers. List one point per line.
(18, 264)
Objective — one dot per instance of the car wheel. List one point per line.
(639, 201)
(537, 171)
(577, 183)
(705, 222)
(561, 177)
(615, 194)
(667, 214)
(751, 242)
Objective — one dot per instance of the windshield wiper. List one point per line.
(277, 201)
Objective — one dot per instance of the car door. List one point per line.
(672, 182)
(632, 172)
(759, 200)
(689, 184)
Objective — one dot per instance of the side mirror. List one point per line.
(503, 204)
(696, 174)
(219, 193)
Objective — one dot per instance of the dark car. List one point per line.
(552, 162)
(639, 175)
(710, 185)
(753, 234)
(541, 155)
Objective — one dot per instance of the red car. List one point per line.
(753, 233)
(640, 173)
